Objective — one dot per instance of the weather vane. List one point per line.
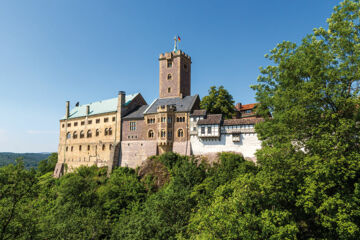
(176, 40)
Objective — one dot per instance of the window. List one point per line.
(68, 135)
(63, 125)
(97, 132)
(98, 120)
(209, 130)
(169, 77)
(132, 126)
(151, 120)
(82, 123)
(89, 134)
(75, 124)
(169, 119)
(163, 133)
(67, 148)
(110, 146)
(103, 147)
(69, 124)
(82, 134)
(169, 135)
(88, 147)
(169, 90)
(169, 63)
(180, 119)
(151, 134)
(180, 133)
(202, 130)
(113, 119)
(106, 132)
(80, 148)
(89, 121)
(248, 111)
(110, 131)
(75, 135)
(106, 119)
(185, 66)
(163, 119)
(72, 148)
(194, 128)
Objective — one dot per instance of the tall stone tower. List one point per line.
(174, 74)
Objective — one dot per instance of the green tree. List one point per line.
(48, 165)
(313, 138)
(17, 190)
(219, 101)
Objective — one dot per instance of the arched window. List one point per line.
(151, 134)
(169, 76)
(106, 131)
(75, 135)
(110, 131)
(68, 135)
(97, 132)
(180, 133)
(89, 134)
(103, 147)
(80, 148)
(110, 146)
(88, 147)
(81, 134)
(163, 133)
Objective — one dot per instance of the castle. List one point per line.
(126, 130)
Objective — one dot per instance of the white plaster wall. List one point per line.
(248, 145)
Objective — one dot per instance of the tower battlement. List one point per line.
(173, 54)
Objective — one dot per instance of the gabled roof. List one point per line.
(246, 107)
(241, 121)
(199, 112)
(211, 119)
(184, 104)
(104, 106)
(137, 114)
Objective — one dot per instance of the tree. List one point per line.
(48, 165)
(219, 101)
(313, 138)
(17, 189)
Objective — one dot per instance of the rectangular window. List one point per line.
(106, 119)
(113, 119)
(89, 121)
(98, 120)
(132, 126)
(82, 123)
(169, 63)
(163, 119)
(75, 124)
(202, 130)
(69, 124)
(63, 125)
(194, 128)
(209, 130)
(169, 119)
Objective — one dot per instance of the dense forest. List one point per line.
(31, 160)
(304, 185)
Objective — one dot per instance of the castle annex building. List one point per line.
(126, 130)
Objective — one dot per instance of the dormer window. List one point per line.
(169, 77)
(169, 63)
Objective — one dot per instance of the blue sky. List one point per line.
(86, 50)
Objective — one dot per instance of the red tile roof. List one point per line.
(246, 106)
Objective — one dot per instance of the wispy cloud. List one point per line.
(40, 132)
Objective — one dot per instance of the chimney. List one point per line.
(67, 114)
(87, 109)
(122, 97)
(238, 106)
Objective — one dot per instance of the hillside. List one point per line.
(30, 159)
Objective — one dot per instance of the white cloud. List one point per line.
(40, 132)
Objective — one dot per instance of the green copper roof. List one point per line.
(104, 106)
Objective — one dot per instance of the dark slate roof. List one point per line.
(182, 104)
(229, 122)
(211, 119)
(200, 112)
(137, 114)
